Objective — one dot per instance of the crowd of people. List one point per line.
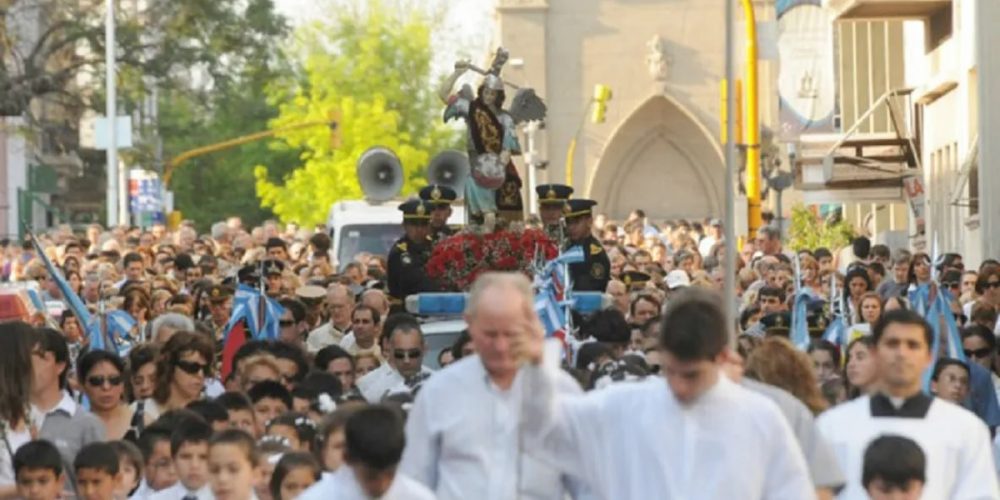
(644, 399)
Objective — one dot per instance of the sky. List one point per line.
(468, 26)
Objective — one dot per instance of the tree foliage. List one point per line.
(371, 66)
(810, 231)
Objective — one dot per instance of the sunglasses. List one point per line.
(192, 368)
(410, 354)
(977, 353)
(286, 323)
(99, 381)
(952, 285)
(993, 284)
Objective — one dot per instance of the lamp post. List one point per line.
(111, 113)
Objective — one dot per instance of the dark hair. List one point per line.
(239, 439)
(825, 345)
(981, 332)
(644, 296)
(189, 431)
(456, 348)
(130, 258)
(289, 462)
(295, 354)
(322, 383)
(590, 352)
(321, 241)
(877, 267)
(332, 423)
(881, 251)
(856, 272)
(39, 454)
(771, 291)
(694, 326)
(211, 411)
(249, 349)
(180, 343)
(127, 450)
(100, 456)
(943, 363)
(374, 437)
(903, 317)
(86, 362)
(822, 252)
(607, 325)
(370, 309)
(234, 401)
(17, 340)
(296, 306)
(895, 460)
(50, 340)
(400, 322)
(270, 389)
(330, 353)
(141, 355)
(861, 247)
(150, 437)
(305, 429)
(984, 279)
(911, 275)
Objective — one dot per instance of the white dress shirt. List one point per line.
(955, 442)
(324, 335)
(179, 492)
(463, 438)
(383, 381)
(349, 344)
(342, 485)
(635, 441)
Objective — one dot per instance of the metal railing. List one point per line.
(896, 120)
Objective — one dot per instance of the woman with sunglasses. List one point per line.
(181, 369)
(102, 378)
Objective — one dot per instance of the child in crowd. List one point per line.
(269, 400)
(298, 428)
(189, 451)
(330, 441)
(950, 380)
(294, 473)
(96, 467)
(154, 443)
(894, 468)
(233, 465)
(270, 449)
(130, 467)
(38, 471)
(213, 412)
(240, 412)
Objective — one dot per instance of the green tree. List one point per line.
(372, 66)
(810, 231)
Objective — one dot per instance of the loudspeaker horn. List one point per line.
(380, 174)
(449, 168)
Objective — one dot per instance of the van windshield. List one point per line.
(372, 238)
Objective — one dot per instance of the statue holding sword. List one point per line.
(493, 188)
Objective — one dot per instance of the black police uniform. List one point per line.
(439, 196)
(407, 260)
(553, 194)
(593, 274)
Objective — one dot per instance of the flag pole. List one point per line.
(729, 297)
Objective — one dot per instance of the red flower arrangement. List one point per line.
(458, 260)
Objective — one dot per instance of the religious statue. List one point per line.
(494, 188)
(657, 60)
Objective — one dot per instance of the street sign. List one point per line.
(102, 132)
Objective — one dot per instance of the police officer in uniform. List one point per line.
(440, 197)
(551, 203)
(593, 274)
(408, 256)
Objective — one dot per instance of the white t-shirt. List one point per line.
(15, 439)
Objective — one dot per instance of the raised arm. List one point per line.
(445, 91)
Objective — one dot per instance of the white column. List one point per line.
(987, 40)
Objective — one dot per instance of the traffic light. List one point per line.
(602, 94)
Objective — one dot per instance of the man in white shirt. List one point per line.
(373, 444)
(464, 432)
(339, 303)
(403, 367)
(692, 433)
(364, 337)
(956, 442)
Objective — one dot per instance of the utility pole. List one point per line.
(111, 112)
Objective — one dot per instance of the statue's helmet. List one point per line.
(493, 82)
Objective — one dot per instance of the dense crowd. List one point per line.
(340, 402)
